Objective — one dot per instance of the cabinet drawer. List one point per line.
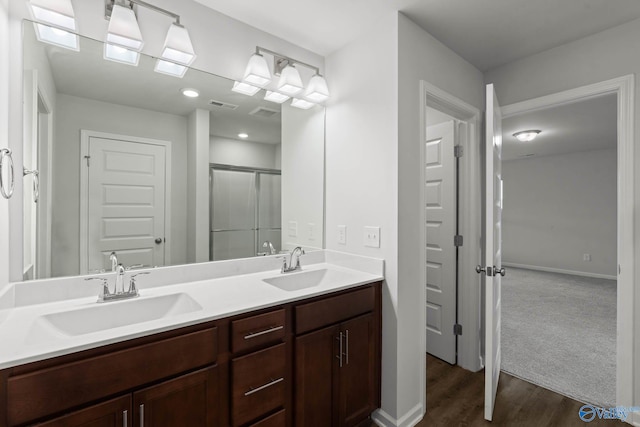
(47, 391)
(256, 331)
(258, 384)
(328, 311)
(116, 412)
(276, 420)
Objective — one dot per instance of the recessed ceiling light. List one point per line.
(243, 135)
(190, 93)
(526, 135)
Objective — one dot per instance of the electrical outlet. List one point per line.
(372, 237)
(342, 234)
(293, 228)
(312, 231)
(586, 257)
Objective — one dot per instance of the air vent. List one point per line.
(222, 104)
(264, 112)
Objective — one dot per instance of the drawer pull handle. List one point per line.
(142, 415)
(124, 418)
(267, 331)
(262, 387)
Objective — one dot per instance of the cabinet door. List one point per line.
(113, 413)
(315, 366)
(356, 383)
(189, 400)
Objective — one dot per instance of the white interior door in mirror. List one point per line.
(493, 249)
(126, 203)
(440, 197)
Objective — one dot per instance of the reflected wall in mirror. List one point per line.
(127, 163)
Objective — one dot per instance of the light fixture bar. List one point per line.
(284, 60)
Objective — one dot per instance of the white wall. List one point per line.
(236, 152)
(4, 136)
(74, 114)
(303, 176)
(606, 55)
(198, 186)
(557, 208)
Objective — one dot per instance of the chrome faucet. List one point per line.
(114, 261)
(296, 252)
(269, 245)
(118, 293)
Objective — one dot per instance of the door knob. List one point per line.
(158, 241)
(500, 271)
(480, 269)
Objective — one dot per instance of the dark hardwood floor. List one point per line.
(455, 397)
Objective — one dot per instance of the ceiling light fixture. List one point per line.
(301, 103)
(276, 97)
(56, 22)
(257, 73)
(526, 135)
(243, 135)
(245, 88)
(190, 93)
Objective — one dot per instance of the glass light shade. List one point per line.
(55, 12)
(276, 97)
(301, 103)
(257, 72)
(120, 54)
(170, 68)
(245, 88)
(317, 91)
(177, 46)
(123, 28)
(526, 135)
(57, 37)
(290, 81)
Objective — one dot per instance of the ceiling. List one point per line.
(487, 33)
(581, 126)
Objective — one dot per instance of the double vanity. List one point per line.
(235, 343)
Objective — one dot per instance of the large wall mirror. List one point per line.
(113, 162)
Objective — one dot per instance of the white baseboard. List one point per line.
(559, 270)
(410, 419)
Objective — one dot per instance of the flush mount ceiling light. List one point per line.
(243, 135)
(257, 72)
(526, 135)
(245, 88)
(190, 93)
(290, 81)
(317, 90)
(56, 22)
(301, 103)
(276, 97)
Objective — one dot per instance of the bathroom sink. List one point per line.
(100, 317)
(306, 279)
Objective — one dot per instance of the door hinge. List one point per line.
(87, 157)
(457, 329)
(458, 151)
(457, 240)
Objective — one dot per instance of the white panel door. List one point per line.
(126, 203)
(440, 197)
(493, 250)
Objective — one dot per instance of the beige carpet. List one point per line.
(559, 331)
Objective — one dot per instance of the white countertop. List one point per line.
(23, 339)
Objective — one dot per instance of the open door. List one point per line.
(493, 250)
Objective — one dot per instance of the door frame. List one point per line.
(623, 87)
(469, 289)
(85, 135)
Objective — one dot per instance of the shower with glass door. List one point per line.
(245, 211)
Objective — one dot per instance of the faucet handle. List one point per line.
(134, 266)
(132, 282)
(104, 290)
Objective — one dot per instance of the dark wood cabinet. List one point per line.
(189, 400)
(113, 413)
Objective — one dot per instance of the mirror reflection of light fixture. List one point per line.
(526, 135)
(245, 88)
(290, 81)
(177, 53)
(170, 68)
(120, 54)
(276, 97)
(54, 18)
(317, 90)
(301, 103)
(257, 72)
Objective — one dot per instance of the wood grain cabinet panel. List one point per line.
(113, 413)
(257, 331)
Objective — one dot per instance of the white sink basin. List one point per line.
(100, 317)
(306, 279)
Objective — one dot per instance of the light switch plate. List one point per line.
(342, 234)
(372, 237)
(293, 228)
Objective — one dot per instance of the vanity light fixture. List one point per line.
(124, 29)
(527, 135)
(190, 93)
(290, 81)
(301, 103)
(276, 97)
(245, 88)
(56, 22)
(243, 135)
(257, 72)
(317, 90)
